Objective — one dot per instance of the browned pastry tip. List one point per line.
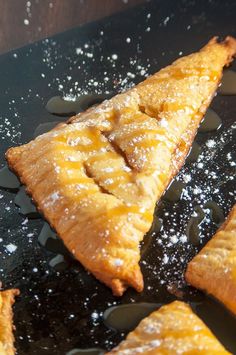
(230, 43)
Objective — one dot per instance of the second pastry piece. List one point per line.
(97, 178)
(214, 268)
(172, 330)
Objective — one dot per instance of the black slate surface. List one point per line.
(62, 310)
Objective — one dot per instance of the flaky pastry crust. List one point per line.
(97, 178)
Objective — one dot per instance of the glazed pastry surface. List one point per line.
(97, 178)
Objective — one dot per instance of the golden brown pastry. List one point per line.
(214, 268)
(97, 177)
(6, 323)
(173, 329)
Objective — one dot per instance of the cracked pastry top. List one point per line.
(214, 268)
(6, 324)
(173, 329)
(97, 177)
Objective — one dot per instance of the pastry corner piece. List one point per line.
(213, 269)
(97, 177)
(7, 298)
(173, 329)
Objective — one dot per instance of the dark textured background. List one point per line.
(47, 17)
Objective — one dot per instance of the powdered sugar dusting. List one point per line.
(89, 51)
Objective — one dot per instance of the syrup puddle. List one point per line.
(59, 263)
(145, 244)
(45, 127)
(174, 191)
(216, 215)
(157, 224)
(193, 226)
(8, 180)
(62, 107)
(193, 230)
(228, 85)
(25, 204)
(211, 122)
(194, 152)
(127, 316)
(156, 227)
(49, 240)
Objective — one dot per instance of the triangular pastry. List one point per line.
(172, 330)
(214, 268)
(6, 322)
(97, 178)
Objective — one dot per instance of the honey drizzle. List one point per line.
(141, 132)
(92, 134)
(79, 180)
(178, 74)
(124, 209)
(70, 164)
(95, 136)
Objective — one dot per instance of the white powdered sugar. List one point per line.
(11, 248)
